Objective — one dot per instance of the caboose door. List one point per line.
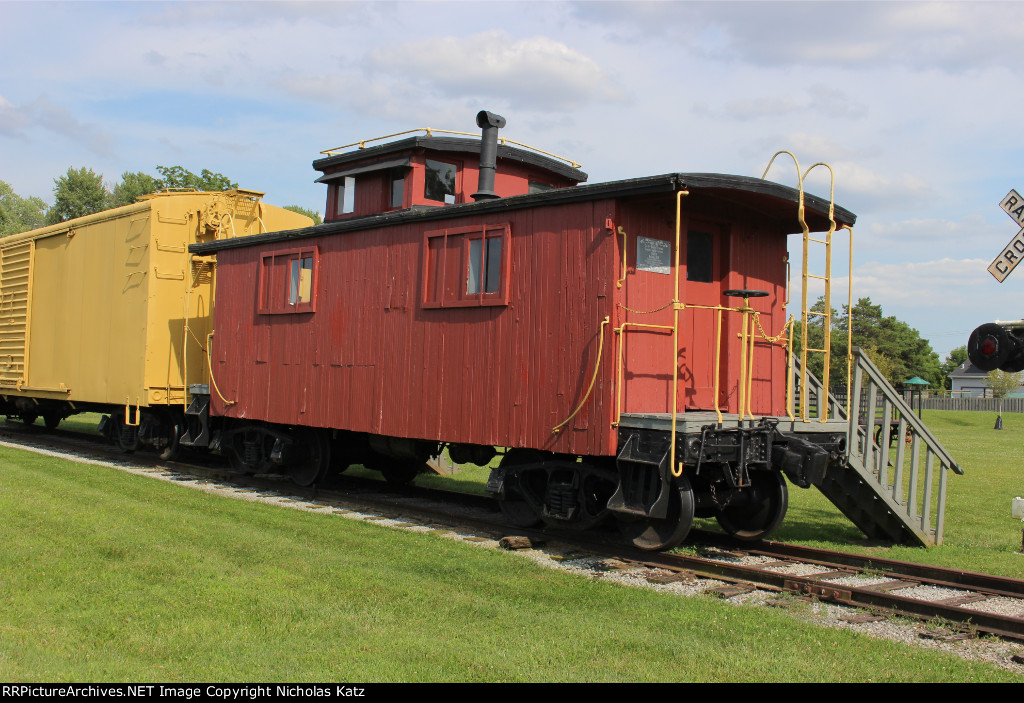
(647, 317)
(703, 253)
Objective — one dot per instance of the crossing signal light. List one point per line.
(992, 346)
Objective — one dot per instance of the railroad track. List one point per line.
(973, 603)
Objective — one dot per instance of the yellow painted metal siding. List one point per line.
(94, 310)
(88, 318)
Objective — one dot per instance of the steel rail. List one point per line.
(864, 597)
(937, 575)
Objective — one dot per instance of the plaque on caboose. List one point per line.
(654, 255)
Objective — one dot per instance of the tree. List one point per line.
(315, 216)
(76, 194)
(178, 177)
(892, 345)
(1003, 383)
(953, 361)
(19, 214)
(131, 188)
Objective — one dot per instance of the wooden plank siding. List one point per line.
(396, 345)
(372, 358)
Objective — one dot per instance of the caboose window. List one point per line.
(346, 196)
(699, 257)
(439, 181)
(466, 266)
(301, 288)
(484, 274)
(398, 187)
(286, 282)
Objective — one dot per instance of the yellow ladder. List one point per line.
(806, 314)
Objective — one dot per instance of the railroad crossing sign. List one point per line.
(1000, 268)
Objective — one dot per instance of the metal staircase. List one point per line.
(883, 483)
(892, 480)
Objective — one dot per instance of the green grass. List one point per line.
(83, 422)
(980, 534)
(106, 576)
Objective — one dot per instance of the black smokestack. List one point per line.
(490, 124)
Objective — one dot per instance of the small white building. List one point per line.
(970, 382)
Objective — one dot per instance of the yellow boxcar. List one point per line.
(111, 313)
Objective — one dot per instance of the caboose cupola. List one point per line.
(434, 170)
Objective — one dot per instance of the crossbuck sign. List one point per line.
(1012, 205)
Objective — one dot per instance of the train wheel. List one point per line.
(126, 437)
(29, 418)
(758, 518)
(593, 495)
(656, 534)
(173, 436)
(517, 511)
(313, 461)
(233, 447)
(52, 418)
(401, 471)
(236, 462)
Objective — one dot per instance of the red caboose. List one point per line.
(618, 339)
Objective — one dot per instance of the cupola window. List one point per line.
(346, 195)
(439, 181)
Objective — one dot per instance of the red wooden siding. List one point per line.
(743, 257)
(395, 345)
(373, 189)
(372, 358)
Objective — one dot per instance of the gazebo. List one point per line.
(916, 385)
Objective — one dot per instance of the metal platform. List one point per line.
(891, 484)
(692, 422)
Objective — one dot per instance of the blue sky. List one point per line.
(915, 105)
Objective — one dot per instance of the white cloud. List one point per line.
(952, 36)
(535, 72)
(820, 100)
(924, 284)
(937, 230)
(13, 120)
(878, 190)
(19, 121)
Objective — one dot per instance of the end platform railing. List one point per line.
(901, 469)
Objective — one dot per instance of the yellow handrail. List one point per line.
(618, 388)
(746, 350)
(429, 131)
(827, 315)
(209, 360)
(676, 305)
(805, 312)
(593, 380)
(849, 322)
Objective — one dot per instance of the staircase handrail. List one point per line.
(815, 383)
(861, 359)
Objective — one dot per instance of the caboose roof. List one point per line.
(773, 202)
(370, 155)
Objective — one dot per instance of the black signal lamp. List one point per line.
(991, 347)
